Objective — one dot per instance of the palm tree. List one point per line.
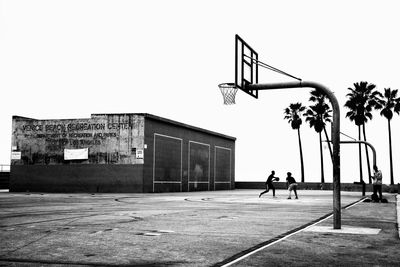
(362, 99)
(293, 115)
(319, 97)
(317, 116)
(389, 104)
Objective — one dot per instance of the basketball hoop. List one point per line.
(228, 91)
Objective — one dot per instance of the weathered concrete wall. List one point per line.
(113, 163)
(110, 139)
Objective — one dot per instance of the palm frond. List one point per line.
(362, 99)
(293, 114)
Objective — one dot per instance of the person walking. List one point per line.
(377, 184)
(269, 184)
(291, 185)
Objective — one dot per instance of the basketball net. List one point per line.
(228, 91)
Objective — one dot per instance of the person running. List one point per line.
(377, 183)
(269, 184)
(291, 185)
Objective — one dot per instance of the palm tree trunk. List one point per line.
(329, 143)
(390, 153)
(359, 154)
(366, 151)
(322, 158)
(301, 156)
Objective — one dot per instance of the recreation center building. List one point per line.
(134, 152)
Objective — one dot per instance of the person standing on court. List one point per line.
(377, 183)
(291, 185)
(269, 184)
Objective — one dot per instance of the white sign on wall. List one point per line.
(16, 155)
(72, 154)
(139, 153)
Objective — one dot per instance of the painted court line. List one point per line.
(152, 234)
(244, 254)
(344, 230)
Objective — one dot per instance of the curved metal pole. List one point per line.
(363, 142)
(335, 135)
(373, 152)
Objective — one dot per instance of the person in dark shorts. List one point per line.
(269, 184)
(291, 185)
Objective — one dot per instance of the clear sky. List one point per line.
(69, 59)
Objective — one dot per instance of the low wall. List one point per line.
(318, 186)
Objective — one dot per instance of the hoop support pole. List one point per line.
(335, 135)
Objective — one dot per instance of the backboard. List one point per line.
(246, 67)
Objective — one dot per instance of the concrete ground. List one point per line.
(218, 228)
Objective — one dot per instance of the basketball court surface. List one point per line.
(216, 228)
